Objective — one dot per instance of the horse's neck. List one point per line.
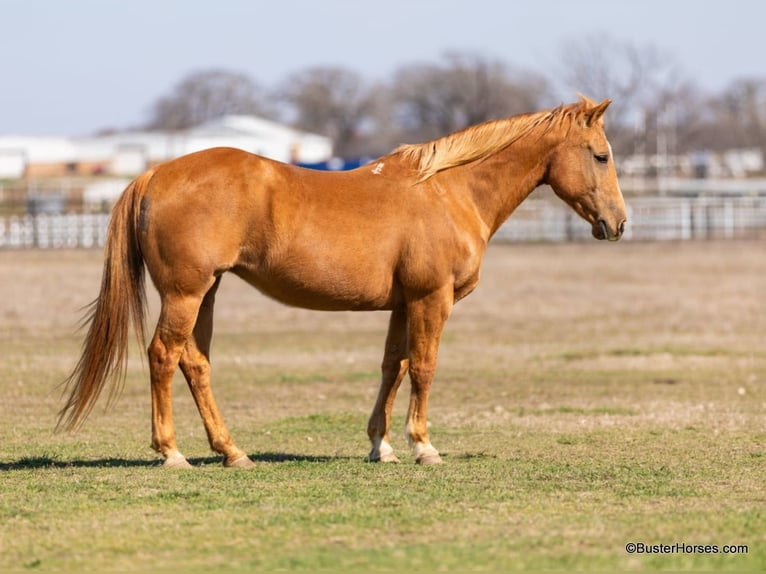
(498, 184)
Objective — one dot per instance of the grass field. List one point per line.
(588, 396)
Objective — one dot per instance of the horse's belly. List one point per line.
(323, 290)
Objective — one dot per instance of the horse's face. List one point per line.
(582, 173)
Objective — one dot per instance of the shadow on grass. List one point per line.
(47, 462)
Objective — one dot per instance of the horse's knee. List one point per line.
(162, 361)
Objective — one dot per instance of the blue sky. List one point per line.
(73, 67)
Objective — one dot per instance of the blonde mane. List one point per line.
(482, 140)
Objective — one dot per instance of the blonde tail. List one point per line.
(121, 300)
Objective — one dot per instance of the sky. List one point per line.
(78, 66)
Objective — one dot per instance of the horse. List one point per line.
(405, 233)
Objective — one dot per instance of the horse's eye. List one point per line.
(602, 158)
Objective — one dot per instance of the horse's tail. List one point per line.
(122, 300)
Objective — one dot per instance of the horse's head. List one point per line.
(582, 173)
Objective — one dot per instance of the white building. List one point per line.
(130, 153)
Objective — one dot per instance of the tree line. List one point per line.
(656, 108)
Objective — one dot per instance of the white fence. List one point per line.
(54, 231)
(649, 219)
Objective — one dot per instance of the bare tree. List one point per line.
(656, 110)
(205, 95)
(739, 114)
(682, 113)
(334, 102)
(435, 99)
(640, 79)
(682, 118)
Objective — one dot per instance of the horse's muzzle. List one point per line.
(602, 230)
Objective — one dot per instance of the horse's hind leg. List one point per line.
(195, 364)
(393, 369)
(177, 318)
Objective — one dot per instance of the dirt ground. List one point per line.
(706, 290)
(548, 325)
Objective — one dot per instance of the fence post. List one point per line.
(728, 219)
(686, 219)
(569, 226)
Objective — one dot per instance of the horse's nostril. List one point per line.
(621, 227)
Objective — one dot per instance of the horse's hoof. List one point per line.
(241, 462)
(178, 461)
(429, 459)
(390, 457)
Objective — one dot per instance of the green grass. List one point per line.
(579, 466)
(544, 501)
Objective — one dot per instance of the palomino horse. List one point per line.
(405, 233)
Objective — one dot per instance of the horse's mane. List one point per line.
(482, 140)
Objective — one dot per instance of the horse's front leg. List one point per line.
(393, 369)
(426, 318)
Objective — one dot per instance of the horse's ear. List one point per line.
(594, 114)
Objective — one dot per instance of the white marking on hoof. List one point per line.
(241, 462)
(392, 458)
(382, 452)
(425, 453)
(429, 459)
(378, 169)
(176, 460)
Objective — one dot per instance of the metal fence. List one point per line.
(649, 219)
